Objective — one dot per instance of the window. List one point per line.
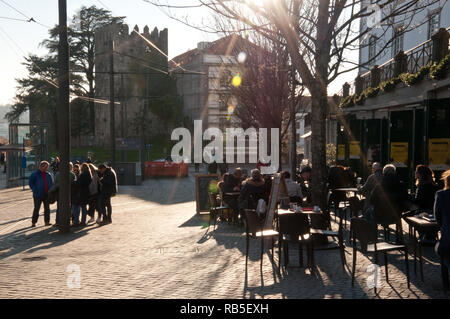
(397, 39)
(433, 23)
(372, 49)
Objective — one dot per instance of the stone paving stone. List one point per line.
(157, 247)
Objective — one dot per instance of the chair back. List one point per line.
(363, 231)
(212, 200)
(294, 225)
(356, 205)
(253, 223)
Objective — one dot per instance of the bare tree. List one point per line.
(318, 34)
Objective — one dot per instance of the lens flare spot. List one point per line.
(237, 80)
(242, 57)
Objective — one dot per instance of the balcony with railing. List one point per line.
(411, 61)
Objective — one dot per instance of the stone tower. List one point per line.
(138, 68)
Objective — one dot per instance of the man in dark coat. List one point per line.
(108, 188)
(442, 214)
(388, 198)
(40, 182)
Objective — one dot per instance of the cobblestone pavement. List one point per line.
(157, 247)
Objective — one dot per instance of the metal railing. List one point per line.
(417, 57)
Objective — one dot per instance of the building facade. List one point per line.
(140, 67)
(398, 111)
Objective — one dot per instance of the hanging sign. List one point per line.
(355, 151)
(439, 153)
(399, 153)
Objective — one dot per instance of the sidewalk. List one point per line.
(157, 247)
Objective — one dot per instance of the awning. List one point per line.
(306, 135)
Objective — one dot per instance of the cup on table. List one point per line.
(298, 209)
(316, 208)
(358, 181)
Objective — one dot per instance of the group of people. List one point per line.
(257, 186)
(387, 200)
(91, 189)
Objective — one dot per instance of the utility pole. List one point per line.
(63, 122)
(112, 109)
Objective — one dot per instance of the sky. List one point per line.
(26, 36)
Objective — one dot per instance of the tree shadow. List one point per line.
(43, 238)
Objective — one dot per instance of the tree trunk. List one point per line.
(318, 147)
(293, 142)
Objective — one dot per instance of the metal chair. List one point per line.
(366, 234)
(315, 220)
(215, 209)
(254, 228)
(295, 229)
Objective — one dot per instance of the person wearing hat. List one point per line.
(304, 180)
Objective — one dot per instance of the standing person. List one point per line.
(82, 195)
(442, 214)
(93, 190)
(108, 188)
(55, 165)
(40, 182)
(2, 159)
(76, 170)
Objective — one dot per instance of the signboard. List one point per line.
(341, 152)
(128, 144)
(354, 150)
(399, 153)
(203, 184)
(276, 184)
(439, 153)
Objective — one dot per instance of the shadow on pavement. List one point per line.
(45, 237)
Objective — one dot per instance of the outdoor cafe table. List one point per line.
(233, 194)
(419, 224)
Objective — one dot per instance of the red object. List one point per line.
(308, 209)
(44, 176)
(166, 169)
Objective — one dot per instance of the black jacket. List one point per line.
(251, 192)
(388, 199)
(109, 183)
(442, 213)
(425, 195)
(81, 193)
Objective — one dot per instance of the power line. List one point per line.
(29, 19)
(49, 81)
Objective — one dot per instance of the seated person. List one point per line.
(304, 181)
(294, 190)
(426, 188)
(387, 198)
(232, 184)
(336, 179)
(442, 213)
(372, 181)
(252, 190)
